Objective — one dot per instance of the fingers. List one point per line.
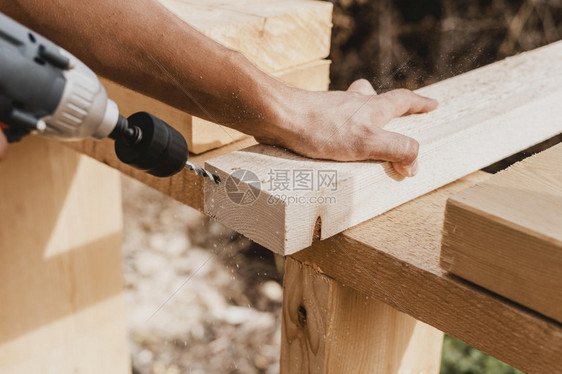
(399, 149)
(362, 86)
(402, 101)
(406, 170)
(3, 145)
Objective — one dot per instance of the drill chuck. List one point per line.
(148, 143)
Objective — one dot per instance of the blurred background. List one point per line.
(203, 299)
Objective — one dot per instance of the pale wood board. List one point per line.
(395, 258)
(330, 328)
(505, 234)
(62, 308)
(202, 135)
(484, 115)
(274, 34)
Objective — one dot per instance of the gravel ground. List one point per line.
(200, 298)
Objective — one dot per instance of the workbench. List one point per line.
(370, 299)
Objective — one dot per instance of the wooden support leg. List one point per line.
(61, 304)
(330, 328)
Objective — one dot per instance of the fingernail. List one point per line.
(413, 169)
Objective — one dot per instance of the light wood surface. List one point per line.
(484, 115)
(505, 234)
(274, 34)
(395, 258)
(62, 309)
(330, 328)
(202, 135)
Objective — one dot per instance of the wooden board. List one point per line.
(202, 135)
(330, 328)
(62, 308)
(484, 116)
(274, 34)
(505, 234)
(395, 258)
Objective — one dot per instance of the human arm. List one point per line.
(144, 46)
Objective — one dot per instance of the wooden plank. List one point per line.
(274, 34)
(60, 263)
(484, 116)
(330, 328)
(505, 234)
(202, 135)
(395, 258)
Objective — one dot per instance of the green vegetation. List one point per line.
(459, 358)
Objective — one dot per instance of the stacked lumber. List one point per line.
(395, 258)
(506, 234)
(484, 116)
(288, 39)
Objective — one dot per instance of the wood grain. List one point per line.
(395, 258)
(330, 328)
(60, 263)
(484, 115)
(505, 234)
(274, 34)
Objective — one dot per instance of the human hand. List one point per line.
(348, 126)
(3, 145)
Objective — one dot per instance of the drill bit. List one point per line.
(204, 173)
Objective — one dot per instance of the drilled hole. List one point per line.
(317, 233)
(31, 37)
(301, 315)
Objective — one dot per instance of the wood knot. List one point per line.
(301, 315)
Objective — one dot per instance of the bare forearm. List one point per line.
(142, 45)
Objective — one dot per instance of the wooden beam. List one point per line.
(330, 328)
(202, 135)
(505, 234)
(395, 258)
(274, 34)
(484, 116)
(61, 282)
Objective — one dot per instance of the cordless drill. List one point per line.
(47, 91)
